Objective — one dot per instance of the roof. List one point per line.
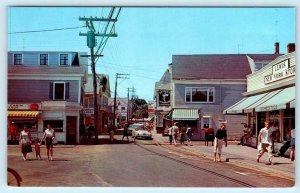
(215, 66)
(20, 69)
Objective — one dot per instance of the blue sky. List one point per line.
(148, 37)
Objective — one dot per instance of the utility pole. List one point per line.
(91, 43)
(115, 99)
(129, 90)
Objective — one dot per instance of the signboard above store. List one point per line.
(280, 71)
(164, 98)
(31, 106)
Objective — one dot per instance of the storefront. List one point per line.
(61, 116)
(270, 97)
(184, 117)
(18, 116)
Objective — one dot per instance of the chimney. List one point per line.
(291, 47)
(276, 48)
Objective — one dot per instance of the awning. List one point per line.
(182, 114)
(25, 114)
(238, 108)
(185, 114)
(293, 104)
(262, 100)
(278, 101)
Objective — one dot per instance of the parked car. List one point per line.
(134, 126)
(141, 133)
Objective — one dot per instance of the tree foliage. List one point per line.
(139, 109)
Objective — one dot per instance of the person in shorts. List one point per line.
(49, 135)
(221, 136)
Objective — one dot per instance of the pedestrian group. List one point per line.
(25, 142)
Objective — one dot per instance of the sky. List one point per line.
(147, 39)
(149, 36)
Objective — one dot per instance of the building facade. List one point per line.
(46, 88)
(103, 94)
(202, 86)
(270, 97)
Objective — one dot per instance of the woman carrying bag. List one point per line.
(49, 135)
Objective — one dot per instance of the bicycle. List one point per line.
(13, 177)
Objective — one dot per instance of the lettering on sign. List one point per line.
(18, 106)
(280, 71)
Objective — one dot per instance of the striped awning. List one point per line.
(279, 101)
(185, 114)
(26, 114)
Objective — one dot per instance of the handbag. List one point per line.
(54, 141)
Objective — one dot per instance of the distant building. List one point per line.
(46, 88)
(200, 87)
(103, 94)
(121, 110)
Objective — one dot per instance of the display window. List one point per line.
(57, 125)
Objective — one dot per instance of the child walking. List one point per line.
(37, 148)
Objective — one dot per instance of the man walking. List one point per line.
(175, 133)
(265, 142)
(221, 136)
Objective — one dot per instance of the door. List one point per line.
(71, 129)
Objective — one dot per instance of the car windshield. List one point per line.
(133, 126)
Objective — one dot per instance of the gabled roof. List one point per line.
(215, 66)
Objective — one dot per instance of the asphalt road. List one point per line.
(133, 165)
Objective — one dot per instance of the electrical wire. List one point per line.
(46, 30)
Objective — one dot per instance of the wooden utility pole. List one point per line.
(91, 43)
(115, 98)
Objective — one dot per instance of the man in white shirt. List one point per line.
(265, 142)
(175, 133)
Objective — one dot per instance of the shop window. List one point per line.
(59, 90)
(199, 94)
(288, 122)
(206, 122)
(57, 125)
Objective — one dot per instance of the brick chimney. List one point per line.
(276, 48)
(291, 47)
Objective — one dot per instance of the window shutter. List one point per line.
(67, 90)
(51, 91)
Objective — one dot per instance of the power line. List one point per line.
(46, 30)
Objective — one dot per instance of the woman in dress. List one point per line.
(25, 142)
(49, 135)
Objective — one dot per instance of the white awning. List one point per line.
(238, 108)
(278, 101)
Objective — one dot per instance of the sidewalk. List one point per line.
(239, 155)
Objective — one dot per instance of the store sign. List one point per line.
(164, 97)
(88, 111)
(280, 71)
(32, 107)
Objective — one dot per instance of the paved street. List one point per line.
(145, 164)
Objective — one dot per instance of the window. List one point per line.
(63, 59)
(17, 59)
(123, 108)
(206, 122)
(259, 66)
(199, 94)
(43, 59)
(59, 90)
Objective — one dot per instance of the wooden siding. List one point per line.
(36, 91)
(32, 58)
(256, 80)
(225, 96)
